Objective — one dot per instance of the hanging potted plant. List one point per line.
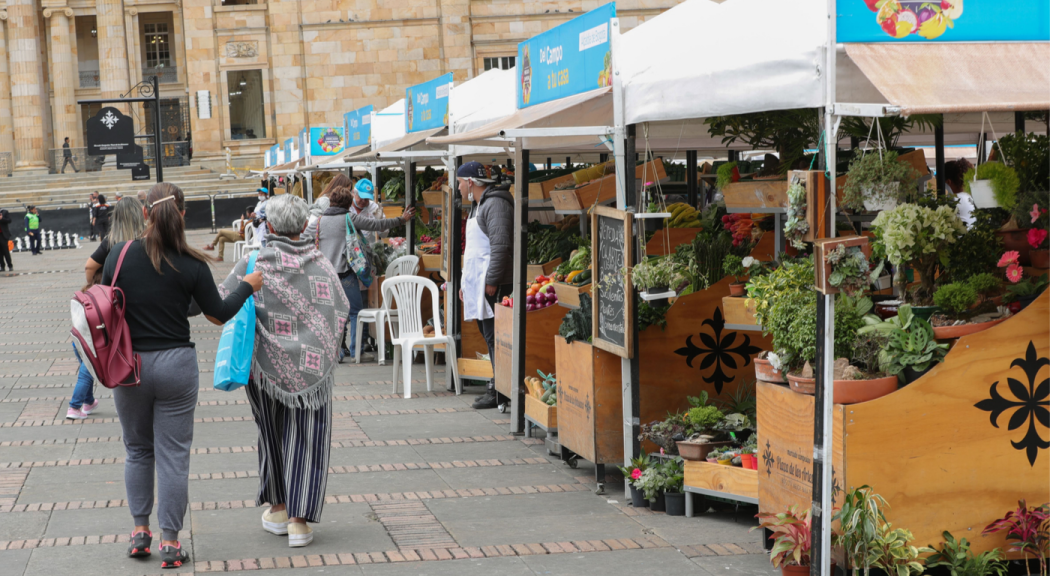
(737, 267)
(959, 313)
(632, 474)
(911, 347)
(917, 236)
(796, 226)
(992, 185)
(877, 181)
(654, 276)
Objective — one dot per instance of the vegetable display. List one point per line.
(683, 216)
(539, 295)
(545, 389)
(546, 243)
(578, 322)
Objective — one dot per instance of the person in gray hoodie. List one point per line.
(331, 234)
(488, 271)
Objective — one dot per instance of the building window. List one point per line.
(158, 53)
(246, 104)
(499, 62)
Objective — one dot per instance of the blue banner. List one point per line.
(569, 59)
(357, 126)
(943, 21)
(326, 141)
(289, 150)
(426, 104)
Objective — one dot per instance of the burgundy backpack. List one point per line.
(101, 335)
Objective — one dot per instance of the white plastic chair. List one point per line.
(407, 293)
(248, 244)
(384, 315)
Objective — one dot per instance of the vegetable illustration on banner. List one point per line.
(943, 20)
(572, 58)
(357, 127)
(426, 104)
(326, 141)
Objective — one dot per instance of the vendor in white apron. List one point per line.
(488, 274)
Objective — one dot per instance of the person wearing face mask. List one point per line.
(365, 207)
(488, 272)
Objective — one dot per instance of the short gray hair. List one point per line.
(287, 214)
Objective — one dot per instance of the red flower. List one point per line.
(1036, 237)
(1014, 273)
(636, 474)
(1009, 258)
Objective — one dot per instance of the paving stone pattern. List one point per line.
(419, 486)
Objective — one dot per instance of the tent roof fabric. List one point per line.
(958, 77)
(407, 141)
(323, 161)
(285, 167)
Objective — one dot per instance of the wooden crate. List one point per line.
(665, 240)
(569, 295)
(722, 479)
(435, 199)
(474, 368)
(739, 311)
(821, 248)
(933, 449)
(602, 190)
(430, 262)
(534, 270)
(591, 401)
(542, 414)
(541, 327)
(756, 195)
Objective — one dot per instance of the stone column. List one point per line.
(7, 141)
(112, 51)
(64, 78)
(27, 95)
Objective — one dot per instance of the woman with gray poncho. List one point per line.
(300, 314)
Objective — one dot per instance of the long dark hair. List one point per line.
(166, 231)
(338, 181)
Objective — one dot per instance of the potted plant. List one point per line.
(992, 185)
(702, 436)
(868, 540)
(958, 316)
(791, 542)
(877, 181)
(911, 347)
(1021, 291)
(632, 474)
(768, 368)
(652, 483)
(959, 560)
(737, 267)
(851, 273)
(1037, 237)
(917, 236)
(674, 486)
(665, 433)
(1026, 530)
(987, 286)
(654, 276)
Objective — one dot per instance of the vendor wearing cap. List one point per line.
(488, 272)
(365, 207)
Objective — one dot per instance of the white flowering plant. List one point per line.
(919, 237)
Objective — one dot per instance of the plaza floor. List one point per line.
(417, 486)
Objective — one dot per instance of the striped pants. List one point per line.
(294, 445)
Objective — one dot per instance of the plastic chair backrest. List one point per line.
(237, 223)
(407, 293)
(249, 234)
(405, 265)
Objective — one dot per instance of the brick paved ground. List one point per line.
(419, 486)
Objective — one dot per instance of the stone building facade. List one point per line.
(245, 74)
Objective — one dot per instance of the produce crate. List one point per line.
(393, 211)
(434, 199)
(670, 238)
(534, 270)
(603, 189)
(544, 416)
(591, 400)
(430, 262)
(739, 311)
(730, 482)
(541, 327)
(756, 196)
(569, 294)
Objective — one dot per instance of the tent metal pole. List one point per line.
(410, 198)
(454, 325)
(1019, 122)
(521, 279)
(938, 143)
(690, 176)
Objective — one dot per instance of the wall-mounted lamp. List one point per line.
(94, 33)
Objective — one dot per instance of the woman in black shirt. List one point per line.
(100, 217)
(159, 276)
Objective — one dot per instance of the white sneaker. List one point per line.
(75, 414)
(275, 522)
(299, 535)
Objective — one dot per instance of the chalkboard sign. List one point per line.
(611, 243)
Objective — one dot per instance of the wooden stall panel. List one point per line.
(541, 413)
(757, 195)
(542, 326)
(665, 240)
(785, 449)
(958, 448)
(724, 479)
(590, 401)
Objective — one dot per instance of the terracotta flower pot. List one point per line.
(1017, 240)
(698, 451)
(737, 290)
(796, 570)
(748, 461)
(765, 372)
(848, 391)
(950, 332)
(1040, 259)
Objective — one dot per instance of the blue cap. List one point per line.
(263, 190)
(473, 170)
(365, 189)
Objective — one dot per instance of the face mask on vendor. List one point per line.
(360, 203)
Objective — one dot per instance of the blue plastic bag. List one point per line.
(233, 359)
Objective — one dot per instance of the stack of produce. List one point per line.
(683, 216)
(568, 224)
(545, 390)
(739, 225)
(549, 243)
(571, 269)
(539, 295)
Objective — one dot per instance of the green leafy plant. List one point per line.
(985, 284)
(1029, 156)
(977, 250)
(578, 322)
(955, 299)
(918, 236)
(661, 477)
(1005, 182)
(725, 175)
(651, 316)
(674, 475)
(959, 560)
(789, 132)
(654, 273)
(791, 536)
(850, 271)
(741, 401)
(634, 472)
(665, 433)
(910, 344)
(733, 265)
(703, 418)
(877, 178)
(860, 517)
(895, 555)
(796, 226)
(547, 243)
(1027, 531)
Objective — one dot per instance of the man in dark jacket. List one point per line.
(5, 237)
(488, 271)
(67, 157)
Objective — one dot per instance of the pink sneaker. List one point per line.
(87, 409)
(75, 414)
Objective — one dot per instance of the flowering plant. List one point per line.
(633, 473)
(918, 236)
(1021, 287)
(1027, 531)
(1037, 234)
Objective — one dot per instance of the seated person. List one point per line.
(230, 234)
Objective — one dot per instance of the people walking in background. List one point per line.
(5, 237)
(159, 276)
(67, 157)
(316, 210)
(92, 202)
(100, 217)
(32, 227)
(290, 390)
(364, 205)
(331, 233)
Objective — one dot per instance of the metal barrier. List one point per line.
(166, 75)
(174, 154)
(211, 201)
